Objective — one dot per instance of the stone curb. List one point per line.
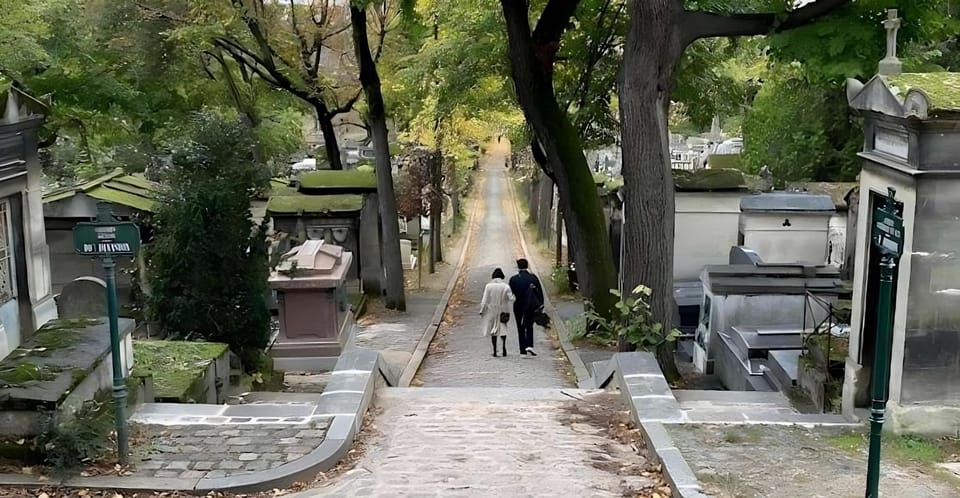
(642, 386)
(580, 369)
(354, 380)
(416, 359)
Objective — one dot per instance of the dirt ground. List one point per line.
(626, 454)
(765, 461)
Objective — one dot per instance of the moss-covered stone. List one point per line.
(941, 89)
(174, 365)
(705, 180)
(361, 180)
(320, 204)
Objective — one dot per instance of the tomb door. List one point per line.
(868, 333)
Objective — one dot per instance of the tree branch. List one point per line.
(346, 107)
(553, 21)
(697, 24)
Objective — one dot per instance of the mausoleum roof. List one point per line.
(771, 279)
(794, 202)
(355, 181)
(942, 90)
(294, 204)
(838, 191)
(133, 191)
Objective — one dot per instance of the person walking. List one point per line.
(529, 301)
(495, 310)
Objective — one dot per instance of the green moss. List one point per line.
(174, 365)
(709, 180)
(295, 204)
(24, 372)
(724, 161)
(339, 179)
(942, 89)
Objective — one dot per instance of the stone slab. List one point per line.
(349, 381)
(268, 410)
(358, 359)
(658, 411)
(132, 483)
(603, 372)
(343, 427)
(637, 363)
(677, 471)
(180, 409)
(647, 386)
(339, 403)
(657, 437)
(688, 398)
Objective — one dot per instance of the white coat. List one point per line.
(497, 298)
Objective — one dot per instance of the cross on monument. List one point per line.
(890, 64)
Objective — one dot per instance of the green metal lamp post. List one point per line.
(106, 239)
(888, 239)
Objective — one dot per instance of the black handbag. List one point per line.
(504, 317)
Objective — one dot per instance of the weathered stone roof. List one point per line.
(339, 181)
(133, 191)
(941, 89)
(787, 201)
(837, 191)
(707, 180)
(315, 204)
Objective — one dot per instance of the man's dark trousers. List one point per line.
(524, 329)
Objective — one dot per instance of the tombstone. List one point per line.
(84, 297)
(786, 227)
(315, 319)
(406, 255)
(912, 143)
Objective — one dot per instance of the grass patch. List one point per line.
(21, 373)
(174, 365)
(358, 179)
(905, 449)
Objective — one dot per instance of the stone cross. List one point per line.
(890, 64)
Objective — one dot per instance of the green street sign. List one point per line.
(106, 239)
(888, 229)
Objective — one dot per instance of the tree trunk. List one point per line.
(390, 225)
(436, 208)
(586, 229)
(651, 52)
(546, 201)
(330, 144)
(533, 207)
(559, 234)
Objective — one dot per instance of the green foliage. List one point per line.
(632, 319)
(80, 441)
(208, 262)
(561, 280)
(174, 365)
(801, 131)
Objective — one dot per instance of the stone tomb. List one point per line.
(751, 310)
(315, 319)
(912, 143)
(51, 375)
(786, 227)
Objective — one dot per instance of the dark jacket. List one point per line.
(520, 286)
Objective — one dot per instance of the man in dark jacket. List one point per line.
(529, 293)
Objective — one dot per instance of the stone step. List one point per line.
(690, 399)
(257, 397)
(481, 394)
(756, 343)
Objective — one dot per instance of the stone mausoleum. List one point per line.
(912, 143)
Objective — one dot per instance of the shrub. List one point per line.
(208, 263)
(632, 319)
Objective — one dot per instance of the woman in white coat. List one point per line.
(495, 310)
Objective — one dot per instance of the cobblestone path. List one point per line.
(492, 442)
(493, 426)
(460, 355)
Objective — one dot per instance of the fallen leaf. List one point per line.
(26, 470)
(21, 441)
(43, 495)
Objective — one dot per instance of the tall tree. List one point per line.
(660, 31)
(533, 55)
(295, 58)
(377, 119)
